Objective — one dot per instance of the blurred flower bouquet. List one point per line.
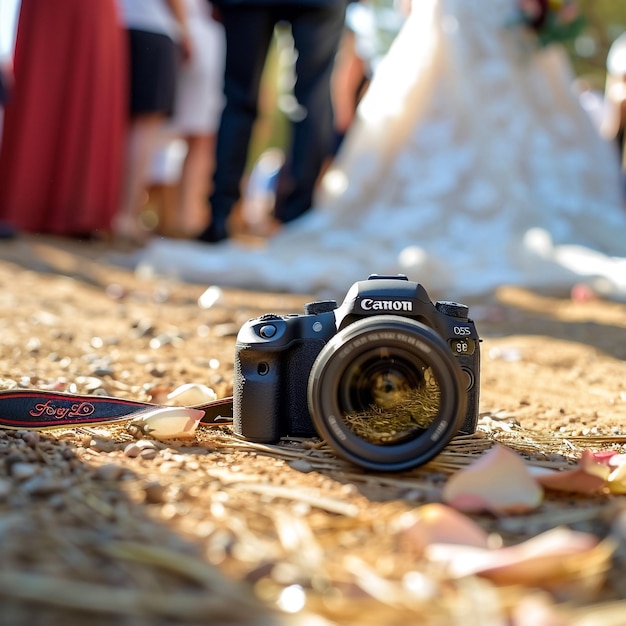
(551, 21)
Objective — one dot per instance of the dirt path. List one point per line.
(216, 530)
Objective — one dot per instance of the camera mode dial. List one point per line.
(268, 316)
(320, 306)
(453, 309)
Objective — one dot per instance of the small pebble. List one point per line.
(226, 329)
(31, 438)
(169, 466)
(302, 465)
(155, 493)
(146, 444)
(23, 471)
(155, 370)
(102, 369)
(43, 485)
(132, 450)
(5, 489)
(109, 472)
(209, 297)
(115, 291)
(102, 445)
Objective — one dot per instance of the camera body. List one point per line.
(275, 354)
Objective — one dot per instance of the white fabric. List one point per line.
(472, 165)
(153, 16)
(616, 59)
(199, 94)
(9, 12)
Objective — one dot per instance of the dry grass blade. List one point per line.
(419, 598)
(185, 566)
(385, 591)
(311, 497)
(298, 540)
(558, 517)
(95, 598)
(461, 451)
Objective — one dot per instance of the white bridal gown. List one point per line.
(471, 165)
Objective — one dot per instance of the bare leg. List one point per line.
(194, 183)
(142, 141)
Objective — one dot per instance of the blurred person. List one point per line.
(316, 28)
(199, 104)
(186, 158)
(470, 165)
(9, 10)
(614, 121)
(371, 27)
(159, 41)
(64, 122)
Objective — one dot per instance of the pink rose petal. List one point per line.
(543, 559)
(589, 476)
(438, 523)
(191, 394)
(603, 456)
(617, 480)
(498, 482)
(169, 422)
(617, 460)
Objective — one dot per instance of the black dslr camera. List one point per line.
(387, 379)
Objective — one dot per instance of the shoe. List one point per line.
(7, 231)
(213, 233)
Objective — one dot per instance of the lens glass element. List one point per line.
(388, 396)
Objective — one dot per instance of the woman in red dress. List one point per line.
(65, 123)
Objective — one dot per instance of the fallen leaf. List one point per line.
(499, 482)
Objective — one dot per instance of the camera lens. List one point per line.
(386, 393)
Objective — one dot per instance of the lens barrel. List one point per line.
(386, 393)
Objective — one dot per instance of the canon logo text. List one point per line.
(367, 304)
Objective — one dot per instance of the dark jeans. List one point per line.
(249, 29)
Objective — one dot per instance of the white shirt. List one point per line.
(153, 16)
(9, 10)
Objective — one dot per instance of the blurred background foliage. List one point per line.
(606, 21)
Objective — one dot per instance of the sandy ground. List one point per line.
(213, 530)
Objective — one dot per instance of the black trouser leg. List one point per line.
(317, 32)
(248, 35)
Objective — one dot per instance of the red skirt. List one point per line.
(64, 131)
